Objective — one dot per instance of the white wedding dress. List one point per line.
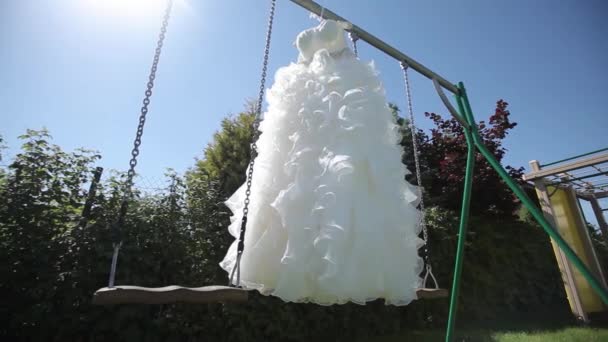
(331, 218)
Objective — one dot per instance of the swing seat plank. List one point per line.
(168, 294)
(197, 295)
(426, 293)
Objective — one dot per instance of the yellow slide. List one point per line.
(572, 228)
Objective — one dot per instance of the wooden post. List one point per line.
(599, 216)
(86, 210)
(566, 268)
(588, 249)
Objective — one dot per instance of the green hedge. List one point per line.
(50, 267)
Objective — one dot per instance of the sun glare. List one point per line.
(130, 8)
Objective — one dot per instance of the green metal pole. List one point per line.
(570, 254)
(575, 157)
(462, 230)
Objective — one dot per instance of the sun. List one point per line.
(130, 8)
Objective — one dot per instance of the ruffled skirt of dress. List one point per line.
(331, 218)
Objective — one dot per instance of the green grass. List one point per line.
(562, 335)
(565, 335)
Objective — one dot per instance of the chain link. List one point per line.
(146, 101)
(410, 109)
(128, 185)
(254, 146)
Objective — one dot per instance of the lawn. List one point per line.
(565, 335)
(562, 335)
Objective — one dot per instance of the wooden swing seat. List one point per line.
(196, 295)
(168, 294)
(429, 293)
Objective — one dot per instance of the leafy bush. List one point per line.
(52, 263)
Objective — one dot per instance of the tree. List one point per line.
(2, 171)
(212, 180)
(228, 154)
(406, 140)
(2, 146)
(39, 200)
(443, 159)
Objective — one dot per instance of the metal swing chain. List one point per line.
(127, 192)
(354, 38)
(254, 148)
(425, 234)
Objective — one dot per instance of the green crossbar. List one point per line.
(576, 157)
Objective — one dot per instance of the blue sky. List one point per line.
(79, 67)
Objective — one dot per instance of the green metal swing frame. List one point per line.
(464, 115)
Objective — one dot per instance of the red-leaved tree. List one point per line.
(443, 162)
